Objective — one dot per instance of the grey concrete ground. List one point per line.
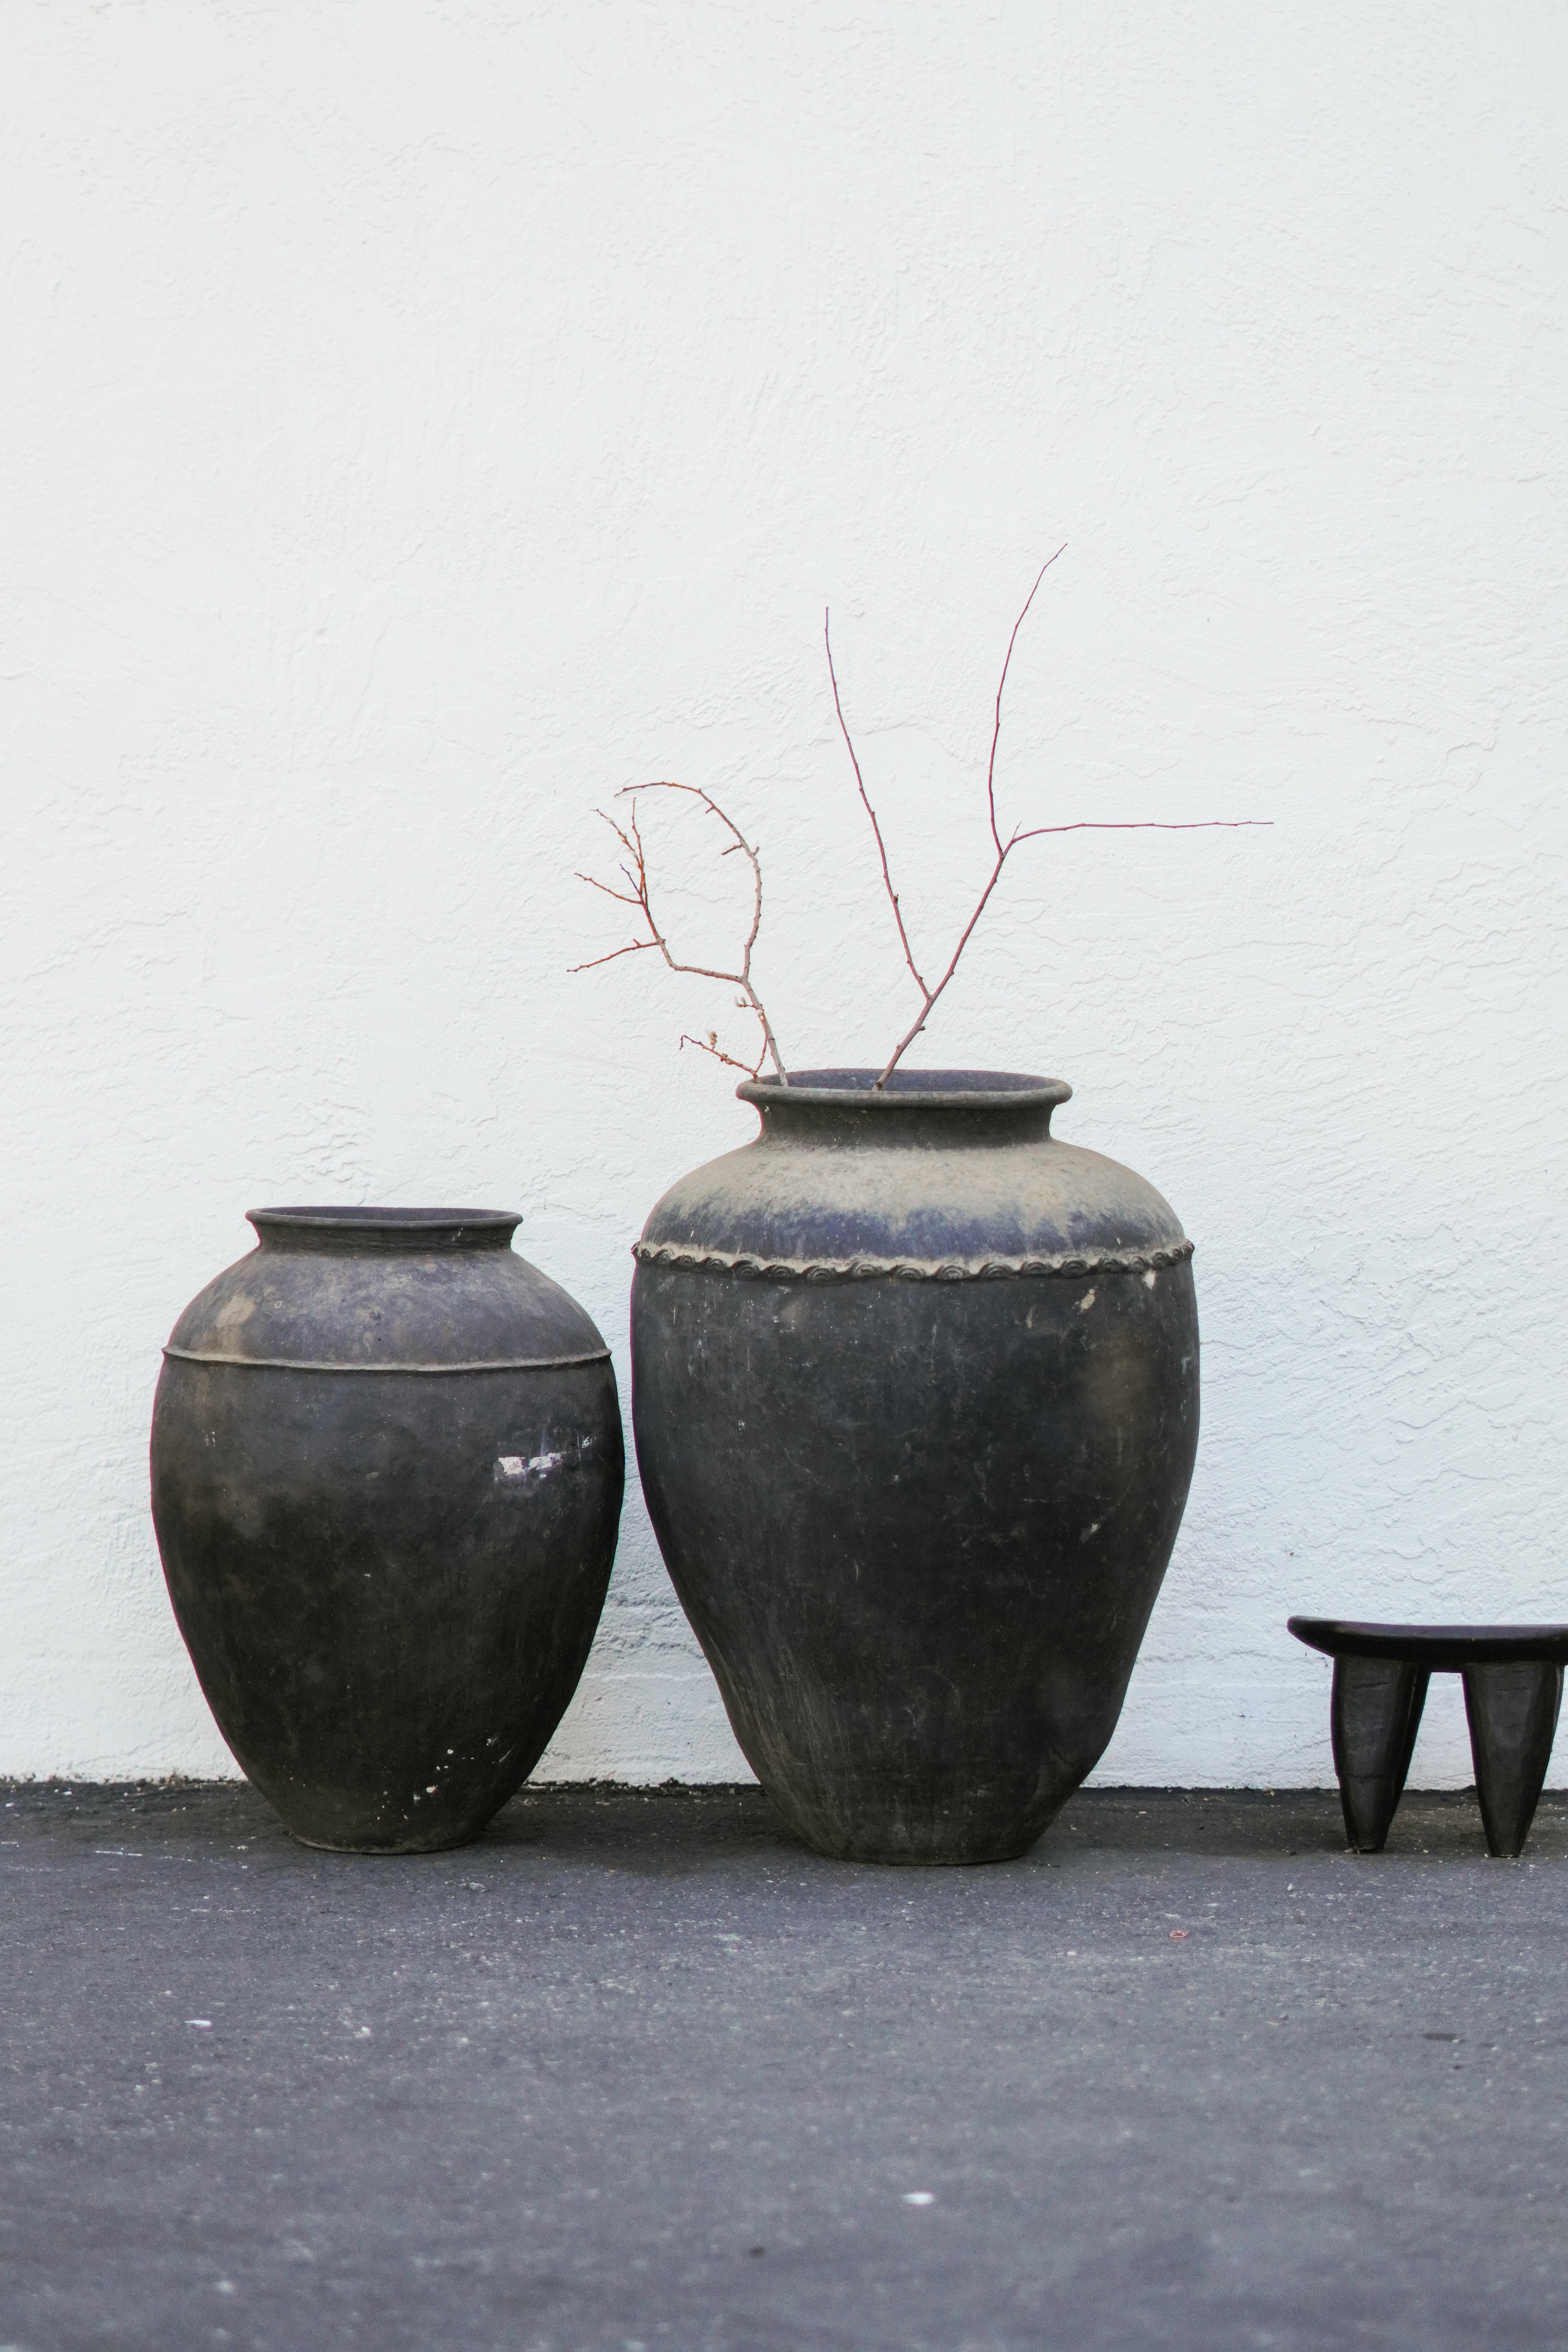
(634, 2072)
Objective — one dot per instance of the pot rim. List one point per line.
(908, 1091)
(354, 1215)
(352, 1219)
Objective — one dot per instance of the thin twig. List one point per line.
(1004, 849)
(997, 730)
(1146, 825)
(881, 846)
(638, 896)
(710, 1045)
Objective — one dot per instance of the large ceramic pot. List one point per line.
(386, 1479)
(915, 1389)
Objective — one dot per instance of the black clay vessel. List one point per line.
(386, 1479)
(915, 1389)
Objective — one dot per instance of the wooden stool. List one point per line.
(1513, 1688)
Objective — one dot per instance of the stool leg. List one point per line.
(1375, 1715)
(1513, 1719)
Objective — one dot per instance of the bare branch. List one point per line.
(710, 1045)
(1145, 824)
(637, 894)
(640, 896)
(1150, 824)
(997, 730)
(908, 1039)
(621, 897)
(865, 797)
(1004, 848)
(633, 947)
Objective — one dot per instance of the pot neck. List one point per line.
(919, 1108)
(412, 1232)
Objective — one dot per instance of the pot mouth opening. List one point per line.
(349, 1222)
(908, 1090)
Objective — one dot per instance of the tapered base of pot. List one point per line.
(895, 1843)
(353, 1822)
(407, 1846)
(897, 1858)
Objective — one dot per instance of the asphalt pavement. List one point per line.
(635, 2074)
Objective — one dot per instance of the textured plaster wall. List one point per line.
(421, 420)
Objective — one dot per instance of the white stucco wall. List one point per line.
(423, 419)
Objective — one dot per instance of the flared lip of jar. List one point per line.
(908, 1090)
(351, 1218)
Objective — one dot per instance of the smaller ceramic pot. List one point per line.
(387, 1465)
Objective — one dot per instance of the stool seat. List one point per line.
(1441, 1649)
(1513, 1690)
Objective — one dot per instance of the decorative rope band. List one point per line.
(288, 1364)
(1073, 1265)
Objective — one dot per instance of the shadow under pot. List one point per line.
(915, 1390)
(387, 1466)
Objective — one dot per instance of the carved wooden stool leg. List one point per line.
(1513, 1719)
(1375, 1714)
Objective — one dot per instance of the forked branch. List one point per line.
(1004, 849)
(637, 895)
(633, 874)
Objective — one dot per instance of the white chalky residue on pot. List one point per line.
(533, 1465)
